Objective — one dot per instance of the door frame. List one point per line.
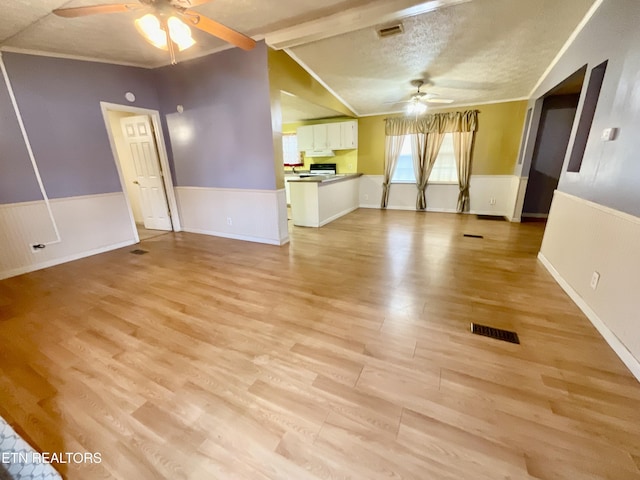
(162, 155)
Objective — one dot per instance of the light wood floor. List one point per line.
(346, 354)
(146, 234)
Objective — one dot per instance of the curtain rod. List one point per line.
(434, 113)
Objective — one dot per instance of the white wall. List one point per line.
(88, 225)
(444, 197)
(252, 215)
(583, 237)
(126, 162)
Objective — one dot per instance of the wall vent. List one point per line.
(390, 30)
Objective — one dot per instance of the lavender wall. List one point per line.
(60, 104)
(17, 181)
(223, 138)
(610, 172)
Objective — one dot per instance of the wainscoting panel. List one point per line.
(516, 197)
(443, 197)
(252, 215)
(583, 237)
(88, 225)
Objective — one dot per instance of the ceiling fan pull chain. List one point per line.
(170, 45)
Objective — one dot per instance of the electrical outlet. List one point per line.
(350, 166)
(595, 278)
(229, 221)
(492, 201)
(366, 197)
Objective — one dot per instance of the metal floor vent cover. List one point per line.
(497, 333)
(470, 235)
(498, 218)
(137, 251)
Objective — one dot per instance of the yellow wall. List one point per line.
(346, 160)
(285, 74)
(496, 143)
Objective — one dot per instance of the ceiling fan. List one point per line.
(165, 23)
(418, 100)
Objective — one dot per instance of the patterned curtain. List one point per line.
(428, 132)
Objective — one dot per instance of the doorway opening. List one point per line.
(140, 156)
(557, 117)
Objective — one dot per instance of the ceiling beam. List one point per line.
(376, 13)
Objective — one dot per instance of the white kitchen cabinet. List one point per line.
(328, 136)
(305, 137)
(349, 135)
(321, 137)
(334, 136)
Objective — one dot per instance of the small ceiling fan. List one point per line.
(418, 100)
(165, 23)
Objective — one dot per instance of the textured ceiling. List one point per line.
(476, 52)
(30, 25)
(296, 109)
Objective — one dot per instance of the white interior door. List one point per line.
(138, 134)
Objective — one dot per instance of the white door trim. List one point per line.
(162, 153)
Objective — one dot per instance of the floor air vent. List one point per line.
(137, 251)
(470, 235)
(497, 333)
(499, 218)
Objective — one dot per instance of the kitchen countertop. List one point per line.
(324, 179)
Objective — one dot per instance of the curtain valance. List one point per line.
(433, 123)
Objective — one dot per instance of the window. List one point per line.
(444, 170)
(290, 154)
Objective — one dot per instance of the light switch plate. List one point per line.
(595, 278)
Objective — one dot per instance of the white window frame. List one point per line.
(446, 150)
(285, 144)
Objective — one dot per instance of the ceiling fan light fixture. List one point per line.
(150, 28)
(180, 33)
(416, 108)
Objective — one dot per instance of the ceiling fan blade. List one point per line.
(190, 3)
(439, 100)
(97, 9)
(218, 30)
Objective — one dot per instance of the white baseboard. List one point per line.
(434, 210)
(338, 215)
(233, 236)
(69, 258)
(614, 342)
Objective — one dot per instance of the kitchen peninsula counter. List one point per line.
(318, 200)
